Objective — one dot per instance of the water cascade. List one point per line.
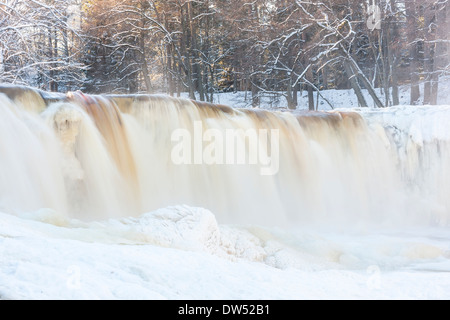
(98, 157)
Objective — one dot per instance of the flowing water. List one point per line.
(99, 157)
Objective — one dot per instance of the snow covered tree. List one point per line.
(40, 44)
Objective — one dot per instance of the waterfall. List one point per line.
(98, 157)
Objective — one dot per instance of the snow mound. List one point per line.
(188, 228)
(178, 227)
(240, 243)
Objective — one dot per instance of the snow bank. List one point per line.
(421, 124)
(182, 253)
(185, 228)
(338, 98)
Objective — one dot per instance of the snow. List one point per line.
(422, 123)
(182, 253)
(338, 98)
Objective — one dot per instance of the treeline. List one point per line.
(263, 47)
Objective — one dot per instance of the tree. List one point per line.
(268, 48)
(40, 44)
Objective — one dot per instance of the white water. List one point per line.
(365, 193)
(335, 168)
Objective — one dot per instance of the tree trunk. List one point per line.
(411, 13)
(196, 70)
(311, 105)
(366, 83)
(51, 83)
(393, 54)
(255, 95)
(169, 70)
(383, 38)
(2, 68)
(290, 96)
(142, 47)
(430, 50)
(211, 83)
(354, 84)
(441, 56)
(325, 78)
(295, 95)
(148, 83)
(394, 79)
(310, 78)
(185, 58)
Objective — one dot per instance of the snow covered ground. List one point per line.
(182, 253)
(338, 98)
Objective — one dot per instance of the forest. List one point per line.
(205, 47)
